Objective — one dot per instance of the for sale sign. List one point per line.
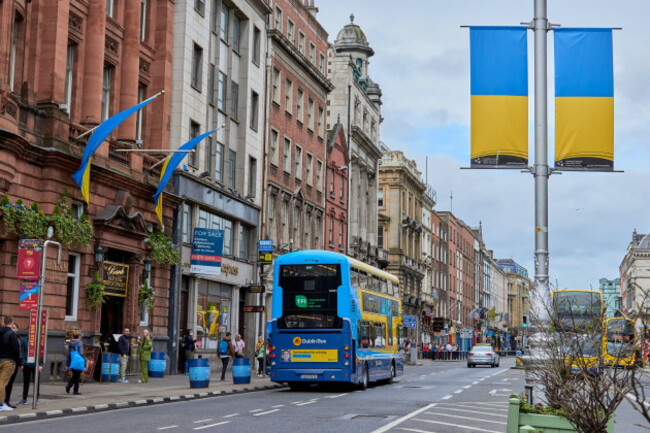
(29, 259)
(207, 251)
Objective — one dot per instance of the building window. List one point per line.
(228, 237)
(301, 42)
(236, 33)
(288, 95)
(211, 77)
(257, 36)
(278, 18)
(276, 86)
(254, 110)
(232, 161)
(284, 222)
(342, 194)
(290, 34)
(296, 227)
(197, 60)
(69, 74)
(307, 225)
(321, 122)
(12, 55)
(142, 92)
(271, 229)
(274, 147)
(187, 223)
(72, 294)
(310, 113)
(234, 99)
(199, 6)
(312, 53)
(340, 234)
(221, 91)
(109, 8)
(330, 171)
(331, 231)
(298, 162)
(317, 232)
(286, 156)
(195, 131)
(106, 92)
(244, 241)
(308, 168)
(225, 22)
(208, 154)
(143, 20)
(252, 175)
(380, 197)
(300, 100)
(319, 175)
(218, 162)
(321, 65)
(380, 237)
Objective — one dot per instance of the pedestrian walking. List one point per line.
(434, 351)
(239, 346)
(75, 349)
(226, 350)
(124, 348)
(260, 352)
(145, 356)
(425, 351)
(10, 358)
(10, 385)
(189, 345)
(29, 373)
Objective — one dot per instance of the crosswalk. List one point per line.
(457, 417)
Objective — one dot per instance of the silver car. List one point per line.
(482, 355)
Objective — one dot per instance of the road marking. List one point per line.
(296, 402)
(211, 425)
(255, 410)
(167, 427)
(475, 411)
(203, 420)
(266, 413)
(467, 386)
(336, 396)
(475, 382)
(414, 430)
(465, 417)
(306, 403)
(468, 405)
(458, 392)
(456, 425)
(632, 399)
(447, 397)
(278, 405)
(230, 416)
(404, 418)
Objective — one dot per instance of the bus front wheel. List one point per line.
(365, 378)
(392, 373)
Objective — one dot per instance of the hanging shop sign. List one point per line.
(29, 259)
(116, 278)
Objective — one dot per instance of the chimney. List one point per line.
(313, 10)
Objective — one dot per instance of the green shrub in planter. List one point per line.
(163, 251)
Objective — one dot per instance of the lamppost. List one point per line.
(99, 260)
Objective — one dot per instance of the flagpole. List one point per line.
(162, 92)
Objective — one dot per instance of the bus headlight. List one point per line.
(346, 363)
(273, 363)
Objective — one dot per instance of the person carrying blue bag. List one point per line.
(76, 362)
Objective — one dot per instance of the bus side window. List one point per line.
(390, 335)
(380, 335)
(383, 284)
(400, 338)
(354, 277)
(396, 290)
(363, 284)
(364, 335)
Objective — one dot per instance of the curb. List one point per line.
(58, 413)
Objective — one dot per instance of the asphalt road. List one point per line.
(432, 398)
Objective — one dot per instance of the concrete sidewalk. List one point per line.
(54, 402)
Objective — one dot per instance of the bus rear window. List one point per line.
(309, 296)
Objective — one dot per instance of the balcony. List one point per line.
(382, 256)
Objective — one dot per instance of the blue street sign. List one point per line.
(265, 246)
(408, 321)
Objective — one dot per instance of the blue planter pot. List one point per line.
(199, 372)
(157, 365)
(241, 370)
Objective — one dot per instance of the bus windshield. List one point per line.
(577, 309)
(620, 338)
(309, 296)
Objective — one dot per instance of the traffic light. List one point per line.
(524, 321)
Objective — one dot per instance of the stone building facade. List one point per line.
(356, 101)
(635, 278)
(518, 293)
(611, 290)
(336, 203)
(219, 68)
(64, 68)
(440, 247)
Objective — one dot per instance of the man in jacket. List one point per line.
(124, 347)
(225, 358)
(10, 358)
(19, 362)
(189, 345)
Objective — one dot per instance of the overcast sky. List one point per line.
(421, 63)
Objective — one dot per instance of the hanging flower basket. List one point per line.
(162, 249)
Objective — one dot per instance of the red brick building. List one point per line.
(336, 202)
(294, 211)
(64, 68)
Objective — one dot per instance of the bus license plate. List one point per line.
(309, 376)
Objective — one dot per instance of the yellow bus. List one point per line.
(619, 342)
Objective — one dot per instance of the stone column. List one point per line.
(94, 63)
(355, 202)
(53, 47)
(130, 68)
(6, 36)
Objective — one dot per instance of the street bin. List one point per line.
(241, 370)
(157, 364)
(110, 367)
(199, 369)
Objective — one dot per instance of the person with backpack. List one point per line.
(260, 352)
(225, 351)
(76, 362)
(189, 345)
(9, 353)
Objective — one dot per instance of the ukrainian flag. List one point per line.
(499, 90)
(168, 168)
(584, 99)
(82, 175)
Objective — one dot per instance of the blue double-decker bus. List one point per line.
(335, 319)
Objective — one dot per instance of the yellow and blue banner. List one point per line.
(168, 168)
(499, 91)
(82, 175)
(584, 99)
